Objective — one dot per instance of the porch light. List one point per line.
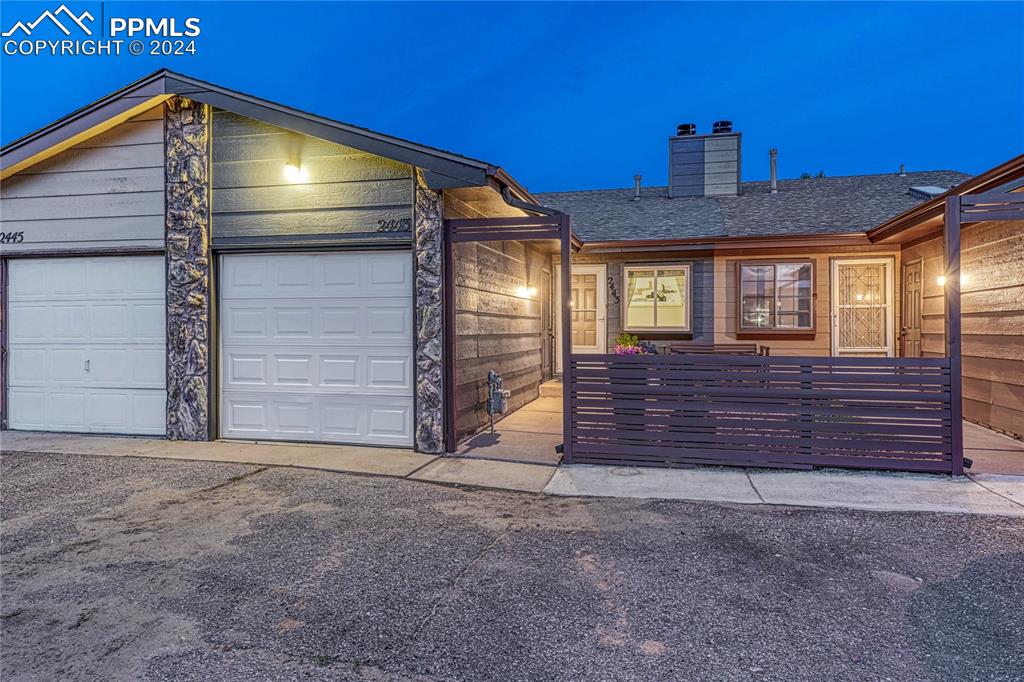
(293, 172)
(526, 292)
(941, 279)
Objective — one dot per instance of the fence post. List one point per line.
(567, 383)
(951, 232)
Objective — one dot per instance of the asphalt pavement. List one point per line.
(131, 568)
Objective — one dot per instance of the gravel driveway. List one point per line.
(120, 568)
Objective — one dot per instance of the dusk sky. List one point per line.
(580, 95)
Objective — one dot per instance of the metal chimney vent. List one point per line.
(684, 129)
(720, 127)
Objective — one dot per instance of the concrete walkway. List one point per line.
(988, 494)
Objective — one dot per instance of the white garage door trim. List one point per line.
(317, 347)
(87, 345)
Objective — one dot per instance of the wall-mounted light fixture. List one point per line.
(293, 170)
(526, 292)
(941, 279)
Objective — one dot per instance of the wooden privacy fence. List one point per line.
(798, 412)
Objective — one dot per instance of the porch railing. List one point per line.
(796, 412)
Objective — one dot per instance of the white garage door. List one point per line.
(87, 345)
(317, 347)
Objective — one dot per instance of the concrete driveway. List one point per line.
(126, 568)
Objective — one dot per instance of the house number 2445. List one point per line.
(12, 237)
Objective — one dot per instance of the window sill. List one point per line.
(661, 333)
(801, 335)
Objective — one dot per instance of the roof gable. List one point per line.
(442, 169)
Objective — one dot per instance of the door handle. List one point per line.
(87, 365)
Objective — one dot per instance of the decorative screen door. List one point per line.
(862, 307)
(589, 305)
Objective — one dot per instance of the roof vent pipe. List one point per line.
(684, 129)
(636, 188)
(903, 170)
(773, 155)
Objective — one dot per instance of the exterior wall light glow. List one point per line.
(941, 280)
(526, 292)
(293, 172)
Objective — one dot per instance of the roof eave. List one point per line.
(442, 169)
(901, 227)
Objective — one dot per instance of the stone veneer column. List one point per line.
(429, 400)
(187, 221)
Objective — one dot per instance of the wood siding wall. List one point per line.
(345, 193)
(820, 342)
(107, 192)
(702, 283)
(992, 263)
(498, 329)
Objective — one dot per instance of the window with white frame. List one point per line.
(776, 296)
(657, 297)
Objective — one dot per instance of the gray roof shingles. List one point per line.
(851, 203)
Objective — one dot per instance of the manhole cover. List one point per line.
(625, 471)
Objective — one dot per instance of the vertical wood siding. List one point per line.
(992, 316)
(107, 192)
(345, 192)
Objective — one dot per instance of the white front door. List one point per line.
(862, 307)
(317, 347)
(589, 306)
(87, 345)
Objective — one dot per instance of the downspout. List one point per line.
(506, 195)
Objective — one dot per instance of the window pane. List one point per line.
(671, 298)
(640, 298)
(793, 295)
(757, 313)
(758, 280)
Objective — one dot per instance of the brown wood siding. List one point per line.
(495, 327)
(820, 342)
(992, 316)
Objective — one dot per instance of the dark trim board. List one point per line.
(4, 321)
(81, 253)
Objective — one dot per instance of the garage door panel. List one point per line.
(318, 347)
(27, 366)
(87, 345)
(292, 322)
(28, 322)
(26, 408)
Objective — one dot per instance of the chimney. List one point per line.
(704, 165)
(636, 188)
(773, 155)
(903, 171)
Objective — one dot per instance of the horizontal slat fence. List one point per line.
(797, 412)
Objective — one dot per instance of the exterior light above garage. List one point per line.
(294, 172)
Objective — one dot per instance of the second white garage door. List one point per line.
(317, 347)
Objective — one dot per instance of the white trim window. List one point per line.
(657, 298)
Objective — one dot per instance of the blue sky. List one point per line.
(579, 95)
